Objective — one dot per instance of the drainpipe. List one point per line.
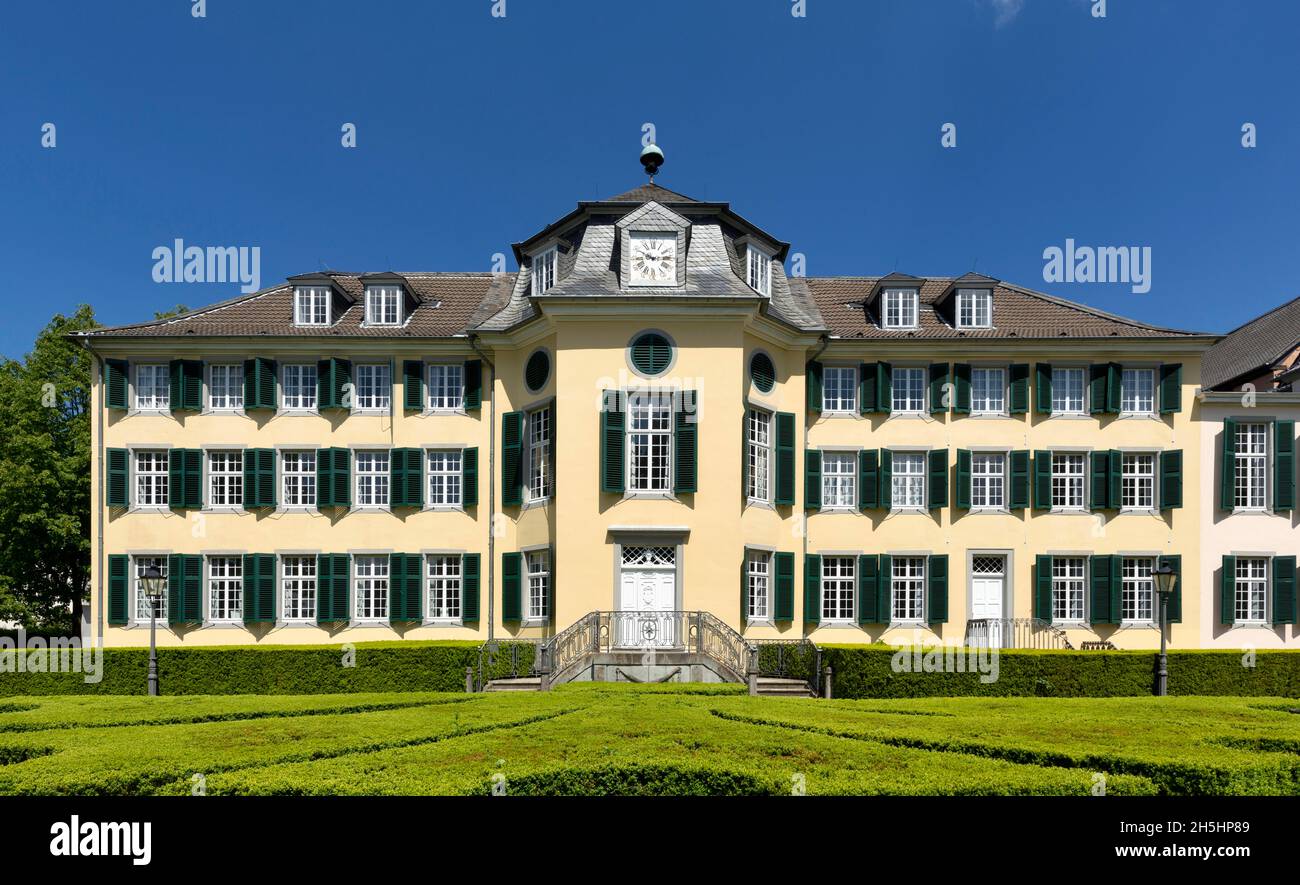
(492, 484)
(824, 342)
(99, 515)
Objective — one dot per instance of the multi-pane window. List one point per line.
(311, 306)
(539, 454)
(298, 387)
(1138, 491)
(151, 479)
(1138, 594)
(374, 387)
(225, 588)
(1068, 586)
(446, 387)
(142, 564)
(758, 454)
(758, 573)
(226, 387)
(1138, 391)
(298, 582)
(1068, 480)
(759, 269)
(1251, 466)
(370, 576)
(372, 479)
(544, 271)
(988, 391)
(838, 579)
(443, 586)
(443, 472)
(908, 390)
(1252, 590)
(908, 589)
(1068, 386)
(974, 308)
(226, 479)
(650, 427)
(900, 308)
(152, 387)
(839, 479)
(839, 389)
(908, 486)
(988, 480)
(539, 585)
(298, 479)
(383, 305)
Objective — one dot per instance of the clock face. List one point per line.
(654, 260)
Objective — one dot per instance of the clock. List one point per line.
(654, 259)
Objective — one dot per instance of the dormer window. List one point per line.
(759, 266)
(544, 265)
(383, 305)
(974, 308)
(311, 306)
(654, 259)
(900, 308)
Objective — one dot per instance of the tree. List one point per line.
(45, 479)
(168, 314)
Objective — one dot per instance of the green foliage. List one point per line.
(173, 312)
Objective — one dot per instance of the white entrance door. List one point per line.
(647, 598)
(988, 586)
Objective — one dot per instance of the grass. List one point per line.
(646, 740)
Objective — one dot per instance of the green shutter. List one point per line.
(1097, 373)
(812, 589)
(1099, 571)
(685, 443)
(184, 589)
(1116, 491)
(512, 600)
(259, 588)
(1042, 480)
(512, 453)
(785, 437)
(885, 495)
(937, 482)
(1019, 377)
(1284, 600)
(1043, 588)
(1171, 388)
(812, 480)
(651, 353)
(1171, 479)
(1228, 467)
(324, 478)
(185, 479)
(333, 477)
(118, 491)
(1228, 590)
(885, 589)
(1114, 387)
(868, 581)
(868, 398)
(813, 387)
(744, 589)
(1174, 561)
(473, 373)
(783, 566)
(259, 478)
(175, 589)
(938, 382)
(469, 587)
(612, 458)
(186, 385)
(1099, 493)
(884, 388)
(469, 477)
(963, 479)
(413, 385)
(936, 597)
(962, 374)
(405, 574)
(1043, 388)
(1019, 479)
(333, 595)
(119, 593)
(259, 383)
(1284, 476)
(868, 479)
(116, 387)
(176, 479)
(333, 380)
(406, 477)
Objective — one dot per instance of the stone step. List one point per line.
(526, 683)
(772, 686)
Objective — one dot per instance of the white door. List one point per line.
(645, 617)
(988, 584)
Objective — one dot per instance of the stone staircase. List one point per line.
(776, 687)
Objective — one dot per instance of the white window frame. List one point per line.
(225, 585)
(1067, 479)
(297, 477)
(299, 589)
(646, 443)
(758, 586)
(758, 270)
(370, 584)
(1248, 584)
(1136, 587)
(907, 590)
(139, 601)
(229, 482)
(978, 305)
(839, 486)
(367, 484)
(1134, 480)
(443, 473)
(157, 479)
(232, 397)
(159, 397)
(311, 306)
(984, 481)
(839, 581)
(904, 377)
(545, 270)
(384, 305)
(294, 397)
(537, 570)
(444, 387)
(1251, 465)
(982, 405)
(837, 404)
(371, 394)
(1128, 398)
(900, 308)
(539, 431)
(442, 588)
(912, 480)
(758, 456)
(1061, 405)
(1069, 589)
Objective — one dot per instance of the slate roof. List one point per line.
(1252, 347)
(644, 193)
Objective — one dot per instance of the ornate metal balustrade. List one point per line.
(506, 660)
(1015, 633)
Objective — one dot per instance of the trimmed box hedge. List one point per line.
(867, 671)
(376, 667)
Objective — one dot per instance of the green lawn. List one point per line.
(601, 739)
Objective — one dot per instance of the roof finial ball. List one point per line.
(652, 158)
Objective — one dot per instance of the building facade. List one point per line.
(650, 416)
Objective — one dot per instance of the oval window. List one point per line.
(538, 370)
(762, 372)
(652, 353)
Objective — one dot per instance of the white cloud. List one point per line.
(1005, 11)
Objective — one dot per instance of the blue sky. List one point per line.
(474, 131)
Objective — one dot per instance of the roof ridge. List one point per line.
(1262, 316)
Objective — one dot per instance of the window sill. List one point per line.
(842, 509)
(443, 508)
(535, 503)
(220, 509)
(915, 625)
(534, 622)
(1070, 625)
(131, 413)
(1137, 625)
(1068, 416)
(223, 625)
(838, 625)
(759, 503)
(436, 413)
(1251, 625)
(305, 510)
(893, 415)
(1151, 416)
(1252, 511)
(1069, 511)
(651, 496)
(381, 412)
(989, 416)
(368, 622)
(297, 413)
(368, 509)
(990, 511)
(1139, 511)
(305, 622)
(826, 413)
(918, 511)
(443, 622)
(156, 509)
(759, 622)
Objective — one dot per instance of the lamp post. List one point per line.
(152, 583)
(1165, 579)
